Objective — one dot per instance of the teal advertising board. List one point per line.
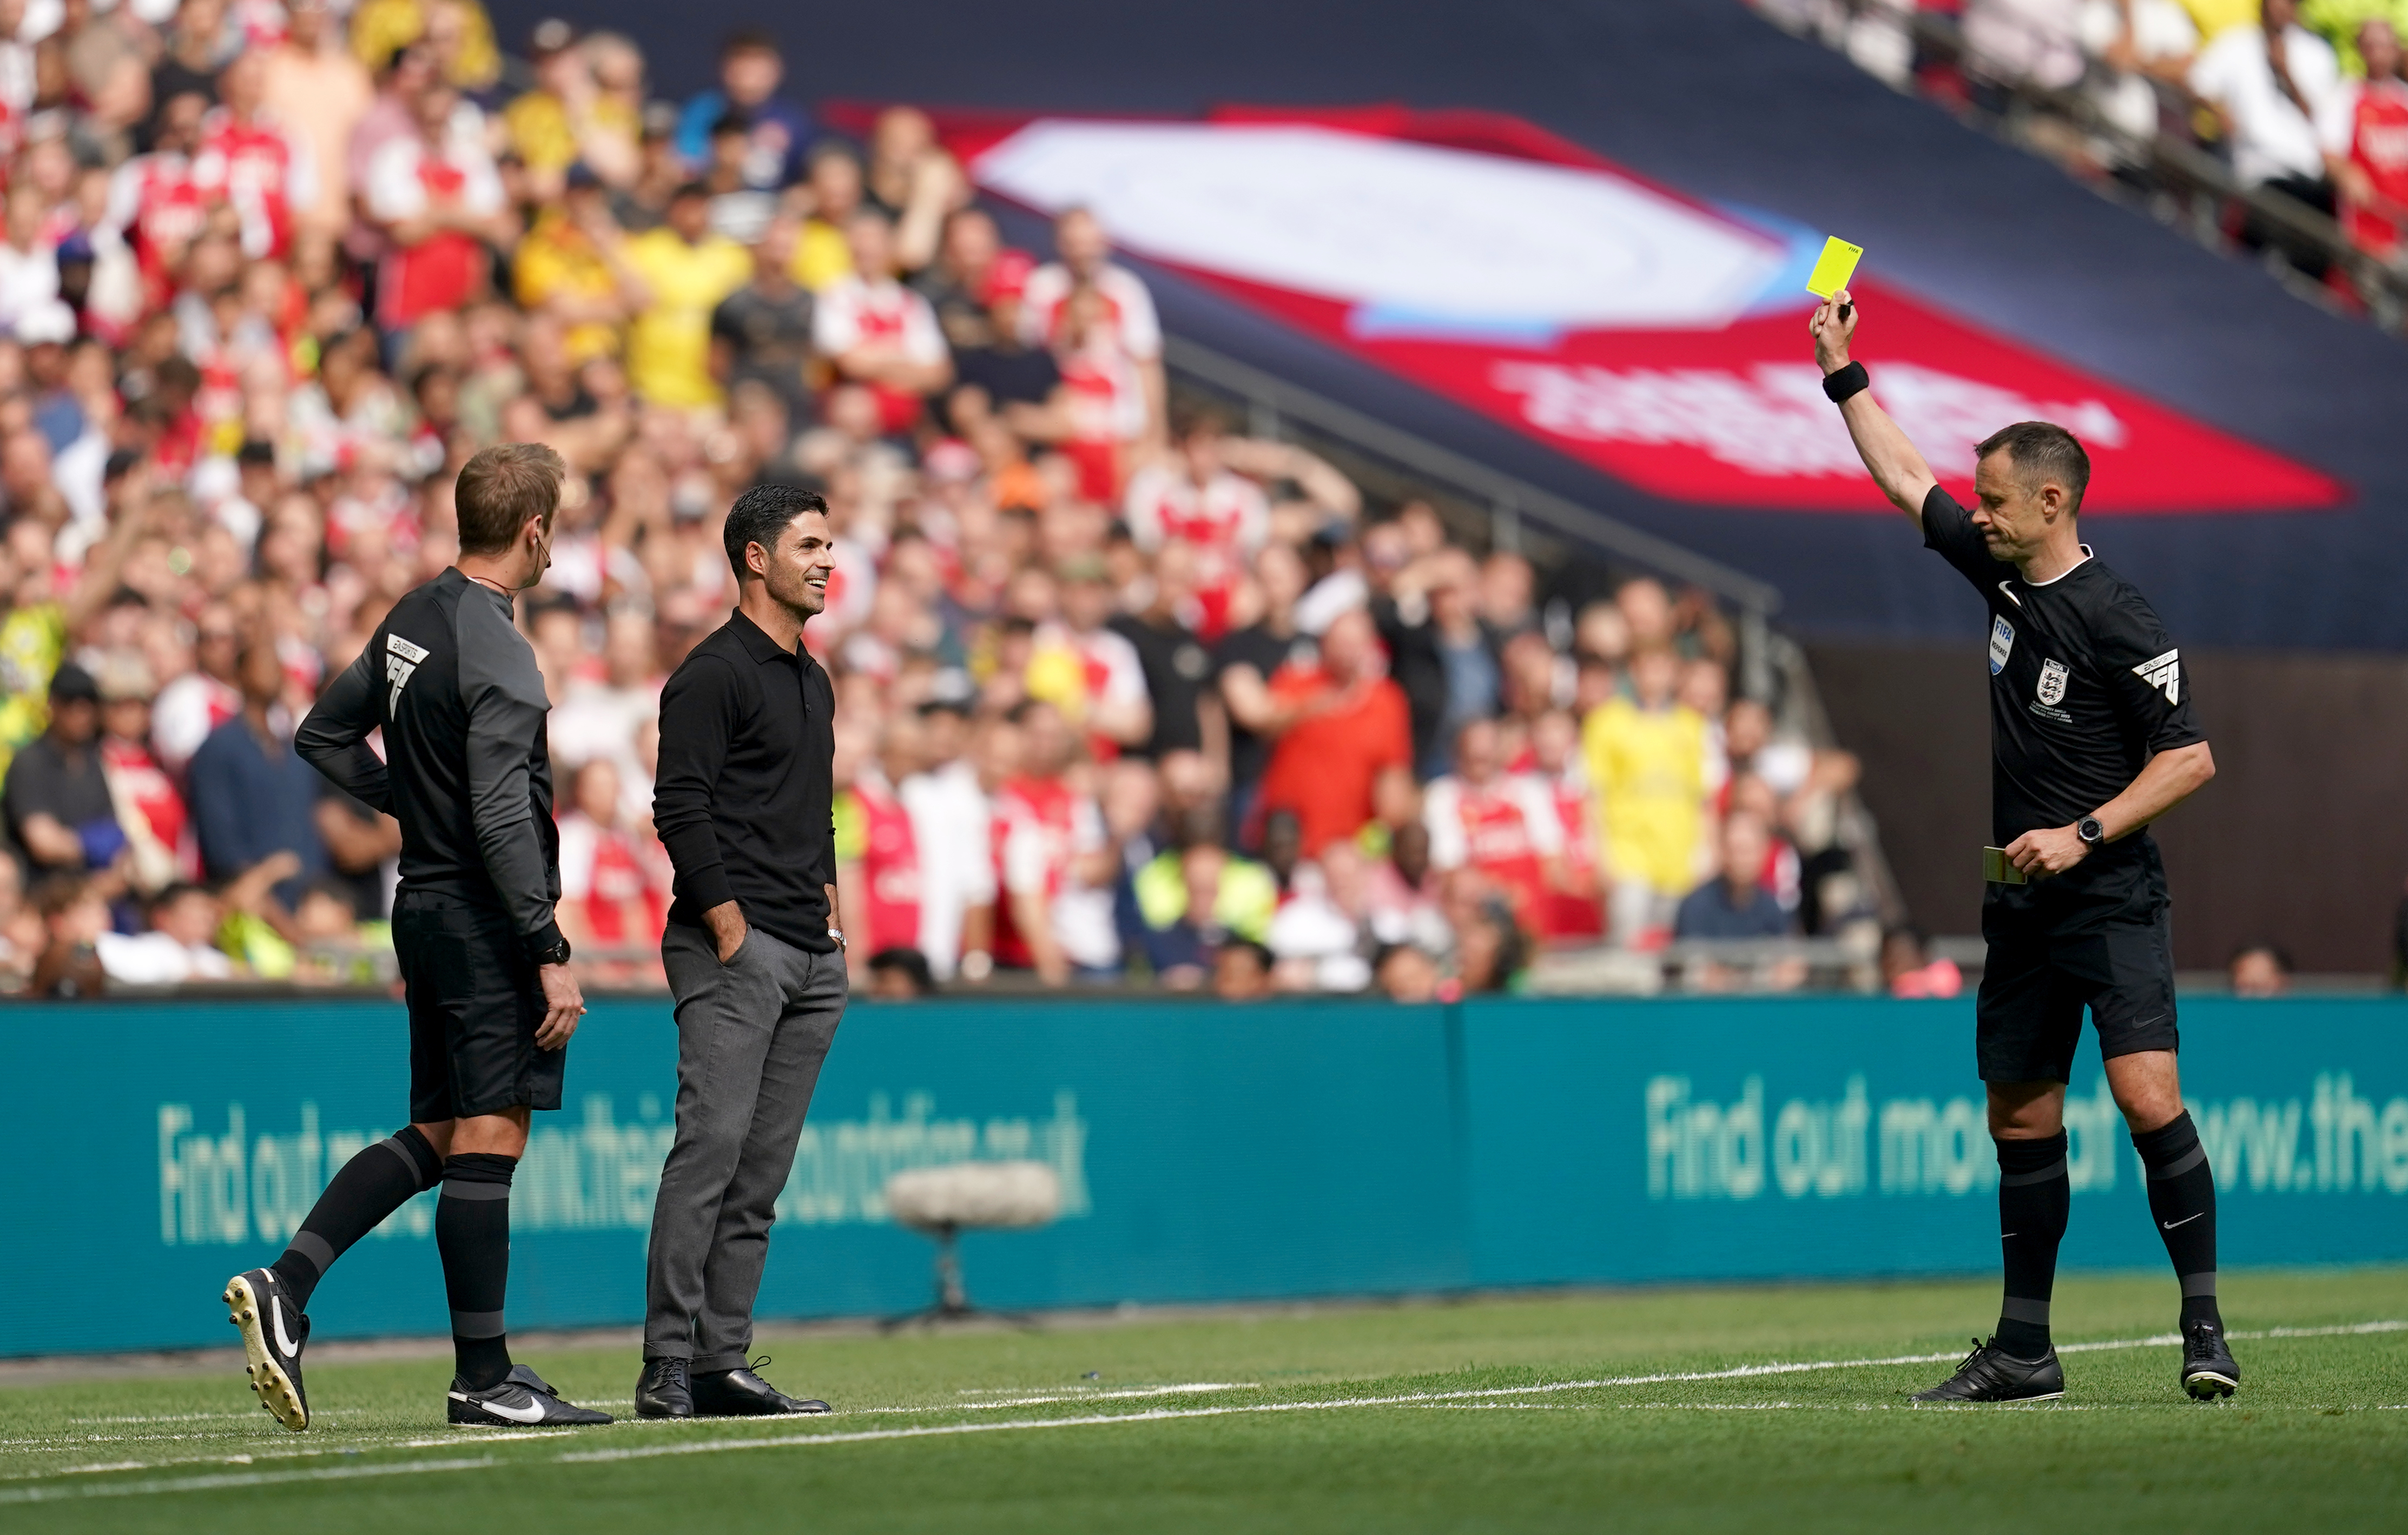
(1206, 1152)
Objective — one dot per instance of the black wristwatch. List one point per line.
(548, 947)
(2090, 830)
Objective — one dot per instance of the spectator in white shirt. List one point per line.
(29, 263)
(598, 719)
(183, 920)
(952, 824)
(2268, 84)
(2030, 40)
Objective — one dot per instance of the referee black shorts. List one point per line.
(473, 1006)
(2035, 984)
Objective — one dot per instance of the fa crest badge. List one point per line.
(2052, 682)
(2002, 644)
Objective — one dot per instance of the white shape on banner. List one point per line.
(1773, 420)
(1414, 232)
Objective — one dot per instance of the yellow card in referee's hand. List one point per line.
(1832, 269)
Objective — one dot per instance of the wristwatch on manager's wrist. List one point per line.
(837, 934)
(2090, 830)
(548, 947)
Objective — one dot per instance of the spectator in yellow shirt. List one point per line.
(1646, 756)
(2214, 16)
(573, 266)
(685, 271)
(824, 253)
(460, 30)
(566, 120)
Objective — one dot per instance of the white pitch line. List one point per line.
(1150, 1415)
(316, 1452)
(167, 1418)
(1135, 1393)
(238, 1479)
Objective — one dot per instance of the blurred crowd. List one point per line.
(2302, 99)
(1124, 695)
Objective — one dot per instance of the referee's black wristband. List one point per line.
(546, 946)
(1848, 380)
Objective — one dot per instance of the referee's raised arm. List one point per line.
(1895, 465)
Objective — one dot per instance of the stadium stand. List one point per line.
(2181, 106)
(1114, 523)
(1101, 656)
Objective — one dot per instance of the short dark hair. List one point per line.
(761, 515)
(500, 488)
(750, 40)
(910, 963)
(2041, 450)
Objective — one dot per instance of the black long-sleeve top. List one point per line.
(743, 798)
(467, 773)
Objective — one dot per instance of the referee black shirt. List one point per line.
(2086, 687)
(467, 771)
(743, 800)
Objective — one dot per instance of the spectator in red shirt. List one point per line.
(1503, 825)
(1348, 728)
(1130, 329)
(1055, 863)
(878, 851)
(1577, 910)
(2365, 132)
(251, 164)
(612, 896)
(877, 331)
(1194, 499)
(439, 201)
(149, 808)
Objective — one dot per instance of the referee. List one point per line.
(453, 686)
(2092, 739)
(754, 950)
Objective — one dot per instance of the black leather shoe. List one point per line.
(741, 1394)
(664, 1390)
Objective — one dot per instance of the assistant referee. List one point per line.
(2092, 739)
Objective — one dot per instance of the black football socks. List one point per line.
(2182, 1200)
(2033, 1196)
(472, 1232)
(374, 1184)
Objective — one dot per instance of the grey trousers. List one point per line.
(752, 1034)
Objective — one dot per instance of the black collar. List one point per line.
(757, 643)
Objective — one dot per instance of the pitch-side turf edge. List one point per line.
(709, 1447)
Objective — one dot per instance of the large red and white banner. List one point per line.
(1659, 339)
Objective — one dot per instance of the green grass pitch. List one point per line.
(1644, 1410)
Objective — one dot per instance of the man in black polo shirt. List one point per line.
(753, 951)
(2092, 739)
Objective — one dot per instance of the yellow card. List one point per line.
(1833, 268)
